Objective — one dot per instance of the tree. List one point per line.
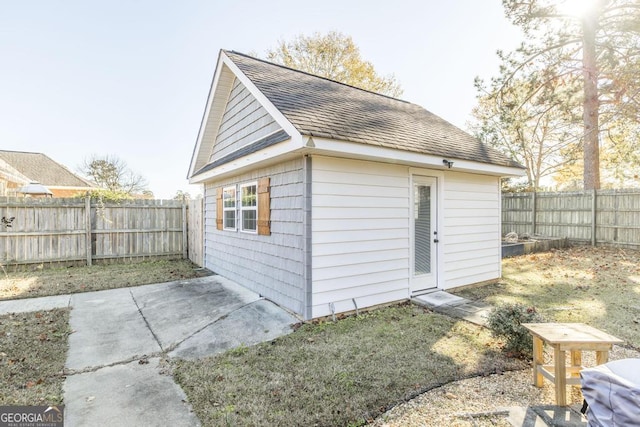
(596, 47)
(537, 130)
(182, 195)
(619, 157)
(103, 195)
(336, 57)
(113, 174)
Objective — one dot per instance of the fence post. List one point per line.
(593, 217)
(185, 241)
(87, 219)
(616, 198)
(534, 207)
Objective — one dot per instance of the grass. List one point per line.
(342, 373)
(39, 282)
(33, 349)
(326, 373)
(597, 286)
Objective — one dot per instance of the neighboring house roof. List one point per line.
(40, 168)
(10, 173)
(322, 108)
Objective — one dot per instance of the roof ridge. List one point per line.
(317, 76)
(20, 151)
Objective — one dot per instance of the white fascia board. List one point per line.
(389, 155)
(251, 161)
(205, 116)
(271, 109)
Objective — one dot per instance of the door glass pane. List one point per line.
(422, 227)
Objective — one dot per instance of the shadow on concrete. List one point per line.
(546, 415)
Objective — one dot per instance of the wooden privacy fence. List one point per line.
(607, 217)
(195, 227)
(40, 230)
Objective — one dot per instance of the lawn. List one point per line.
(342, 373)
(597, 286)
(33, 349)
(39, 282)
(326, 373)
(348, 372)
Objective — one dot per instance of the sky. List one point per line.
(131, 78)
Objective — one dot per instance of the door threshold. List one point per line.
(424, 292)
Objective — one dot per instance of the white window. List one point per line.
(249, 207)
(229, 208)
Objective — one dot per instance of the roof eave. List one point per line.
(360, 151)
(329, 147)
(271, 154)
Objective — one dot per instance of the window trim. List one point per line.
(242, 208)
(233, 208)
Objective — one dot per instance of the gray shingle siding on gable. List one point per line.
(244, 121)
(271, 265)
(324, 108)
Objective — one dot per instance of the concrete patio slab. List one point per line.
(251, 324)
(174, 311)
(455, 306)
(545, 416)
(114, 371)
(132, 394)
(34, 304)
(107, 328)
(438, 298)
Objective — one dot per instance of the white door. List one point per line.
(424, 232)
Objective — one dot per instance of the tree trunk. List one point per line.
(591, 142)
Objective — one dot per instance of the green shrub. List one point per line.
(505, 321)
(102, 195)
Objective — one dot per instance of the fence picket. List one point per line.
(598, 217)
(79, 230)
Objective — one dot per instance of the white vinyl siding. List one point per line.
(243, 122)
(360, 234)
(272, 266)
(471, 229)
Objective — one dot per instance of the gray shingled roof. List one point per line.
(324, 108)
(40, 168)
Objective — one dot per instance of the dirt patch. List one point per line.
(342, 373)
(33, 349)
(59, 281)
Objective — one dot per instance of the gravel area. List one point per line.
(479, 401)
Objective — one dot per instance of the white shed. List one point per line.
(323, 197)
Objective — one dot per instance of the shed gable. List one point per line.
(245, 121)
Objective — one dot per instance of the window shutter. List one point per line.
(219, 208)
(264, 207)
